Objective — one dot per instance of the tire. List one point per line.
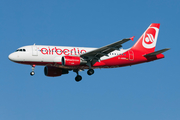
(78, 78)
(90, 72)
(32, 73)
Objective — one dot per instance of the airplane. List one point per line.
(59, 60)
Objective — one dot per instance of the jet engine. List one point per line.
(51, 71)
(73, 61)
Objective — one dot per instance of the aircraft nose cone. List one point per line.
(11, 57)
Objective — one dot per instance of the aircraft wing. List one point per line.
(94, 55)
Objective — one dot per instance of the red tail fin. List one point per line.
(147, 42)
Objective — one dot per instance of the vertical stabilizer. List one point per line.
(147, 42)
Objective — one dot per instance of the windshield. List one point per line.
(21, 50)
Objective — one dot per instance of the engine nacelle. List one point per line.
(73, 61)
(51, 71)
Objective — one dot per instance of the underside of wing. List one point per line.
(94, 55)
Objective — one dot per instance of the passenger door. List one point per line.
(34, 50)
(131, 55)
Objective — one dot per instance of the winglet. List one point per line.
(132, 38)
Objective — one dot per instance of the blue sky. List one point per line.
(148, 91)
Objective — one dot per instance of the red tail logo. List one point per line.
(150, 37)
(147, 42)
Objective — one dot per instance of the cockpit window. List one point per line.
(21, 50)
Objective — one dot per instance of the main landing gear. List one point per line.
(90, 72)
(32, 72)
(78, 77)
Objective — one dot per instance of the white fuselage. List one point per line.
(44, 55)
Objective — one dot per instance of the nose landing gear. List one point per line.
(32, 72)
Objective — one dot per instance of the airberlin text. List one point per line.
(59, 51)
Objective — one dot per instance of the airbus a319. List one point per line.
(59, 60)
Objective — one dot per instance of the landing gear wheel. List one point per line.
(78, 78)
(32, 73)
(90, 72)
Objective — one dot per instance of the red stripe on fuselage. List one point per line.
(117, 61)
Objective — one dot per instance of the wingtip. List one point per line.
(132, 38)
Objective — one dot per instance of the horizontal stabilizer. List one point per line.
(156, 53)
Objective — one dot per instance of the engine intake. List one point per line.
(51, 71)
(73, 61)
